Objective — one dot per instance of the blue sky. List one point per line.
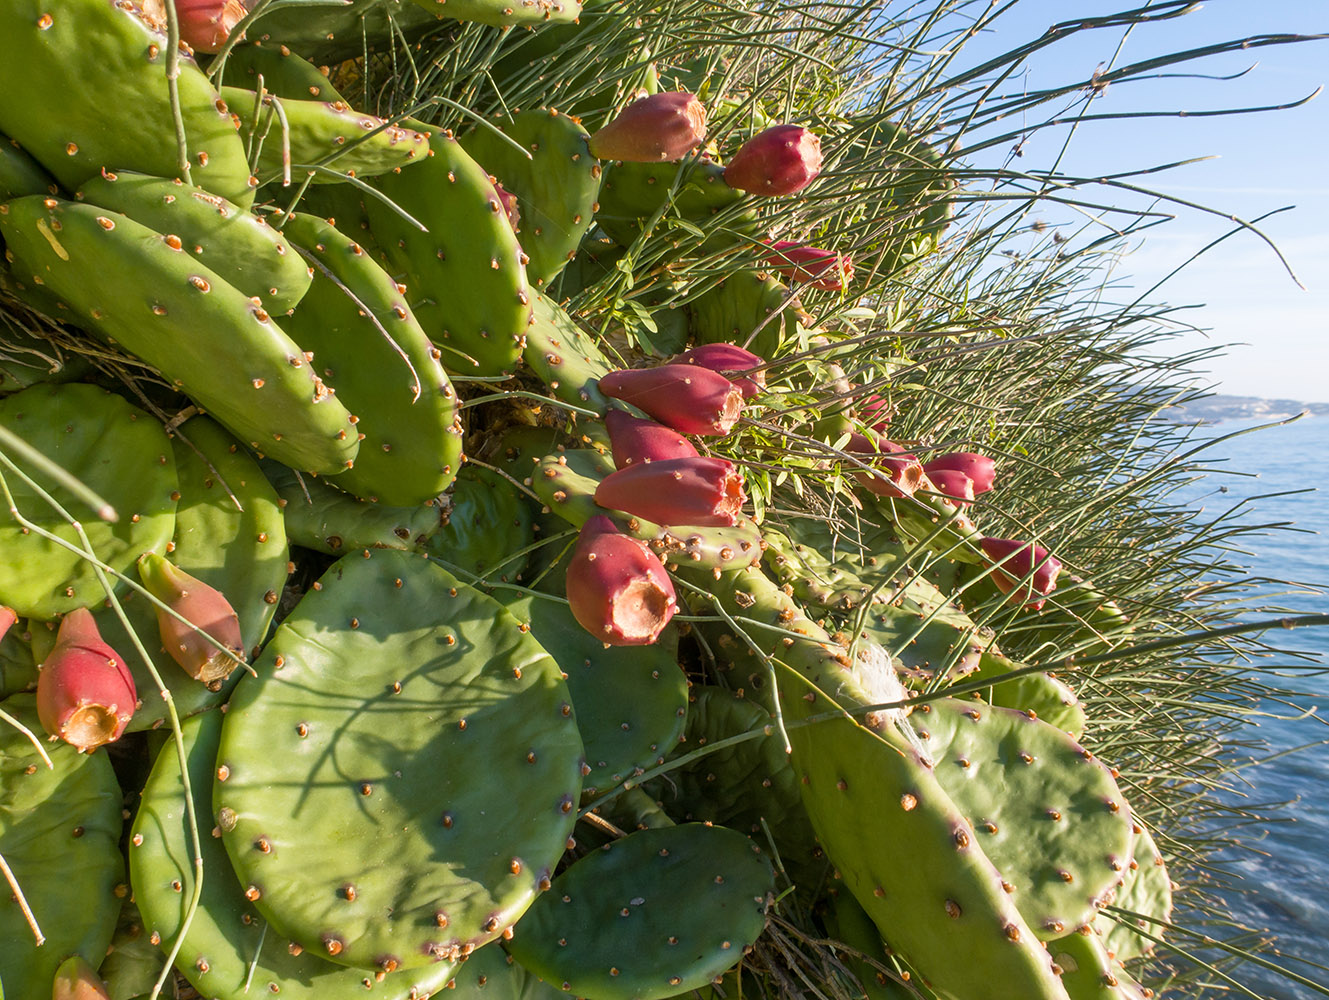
(1262, 162)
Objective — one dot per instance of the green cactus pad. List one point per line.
(132, 962)
(331, 134)
(400, 778)
(848, 923)
(229, 533)
(20, 174)
(649, 916)
(1048, 815)
(228, 941)
(556, 188)
(742, 310)
(18, 666)
(328, 32)
(632, 194)
(321, 517)
(119, 451)
(501, 13)
(237, 244)
(937, 525)
(1090, 973)
(910, 857)
(630, 701)
(93, 80)
(1147, 891)
(1039, 693)
(464, 276)
(564, 356)
(26, 360)
(486, 522)
(132, 286)
(55, 824)
(284, 73)
(492, 974)
(368, 346)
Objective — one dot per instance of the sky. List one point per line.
(1279, 333)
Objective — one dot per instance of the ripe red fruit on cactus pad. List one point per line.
(204, 24)
(811, 265)
(1019, 560)
(979, 468)
(617, 587)
(634, 439)
(952, 484)
(733, 362)
(85, 693)
(653, 129)
(703, 491)
(781, 160)
(203, 605)
(689, 398)
(895, 472)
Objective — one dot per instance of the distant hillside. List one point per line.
(1216, 408)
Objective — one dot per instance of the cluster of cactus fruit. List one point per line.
(380, 615)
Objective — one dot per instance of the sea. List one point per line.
(1283, 884)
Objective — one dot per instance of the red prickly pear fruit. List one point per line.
(617, 587)
(812, 266)
(875, 412)
(1027, 572)
(634, 439)
(206, 607)
(704, 492)
(781, 160)
(895, 473)
(979, 468)
(952, 484)
(85, 693)
(7, 619)
(652, 129)
(76, 979)
(205, 25)
(689, 398)
(507, 201)
(735, 363)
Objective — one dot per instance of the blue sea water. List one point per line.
(1285, 887)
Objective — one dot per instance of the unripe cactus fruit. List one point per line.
(204, 24)
(781, 160)
(653, 129)
(617, 587)
(689, 398)
(979, 468)
(1019, 560)
(634, 439)
(735, 363)
(811, 265)
(702, 492)
(206, 607)
(85, 693)
(895, 473)
(76, 979)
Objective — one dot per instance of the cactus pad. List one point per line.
(349, 792)
(650, 916)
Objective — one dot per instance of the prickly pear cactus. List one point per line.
(383, 697)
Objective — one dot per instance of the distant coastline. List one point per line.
(1213, 409)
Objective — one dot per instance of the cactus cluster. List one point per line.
(395, 496)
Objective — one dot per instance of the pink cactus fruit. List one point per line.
(781, 160)
(652, 129)
(979, 468)
(1018, 560)
(896, 473)
(617, 587)
(76, 979)
(85, 693)
(702, 491)
(7, 618)
(735, 363)
(811, 265)
(205, 25)
(952, 484)
(688, 398)
(508, 203)
(201, 604)
(634, 439)
(875, 412)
